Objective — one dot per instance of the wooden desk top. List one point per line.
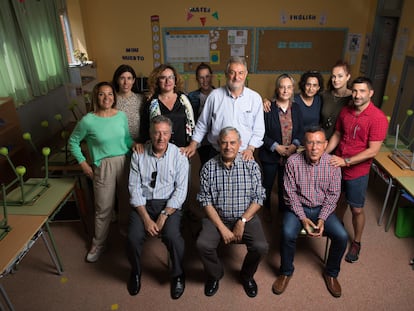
(49, 200)
(407, 182)
(23, 229)
(388, 165)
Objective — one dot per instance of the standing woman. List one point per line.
(204, 76)
(130, 101)
(309, 100)
(167, 98)
(335, 97)
(283, 135)
(128, 98)
(106, 133)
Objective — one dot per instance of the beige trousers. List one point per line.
(110, 182)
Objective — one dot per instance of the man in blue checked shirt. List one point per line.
(231, 193)
(312, 189)
(158, 182)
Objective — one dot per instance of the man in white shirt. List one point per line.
(231, 105)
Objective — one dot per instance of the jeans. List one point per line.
(333, 229)
(355, 191)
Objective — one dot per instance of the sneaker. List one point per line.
(353, 252)
(94, 253)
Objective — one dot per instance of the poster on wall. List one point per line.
(354, 42)
(190, 47)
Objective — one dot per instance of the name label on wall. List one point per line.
(132, 57)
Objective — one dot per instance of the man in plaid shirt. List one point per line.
(312, 189)
(231, 193)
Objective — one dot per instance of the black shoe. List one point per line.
(177, 286)
(211, 287)
(250, 287)
(134, 284)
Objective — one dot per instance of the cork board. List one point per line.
(186, 48)
(299, 49)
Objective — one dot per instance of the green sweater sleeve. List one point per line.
(105, 137)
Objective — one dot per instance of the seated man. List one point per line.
(158, 187)
(312, 189)
(231, 193)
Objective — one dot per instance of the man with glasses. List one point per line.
(312, 189)
(158, 184)
(231, 105)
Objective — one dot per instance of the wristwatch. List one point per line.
(348, 162)
(164, 212)
(243, 220)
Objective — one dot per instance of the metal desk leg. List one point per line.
(384, 206)
(51, 253)
(6, 298)
(52, 239)
(394, 205)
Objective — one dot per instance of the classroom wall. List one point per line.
(112, 26)
(76, 25)
(404, 45)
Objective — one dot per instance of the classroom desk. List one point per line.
(47, 204)
(61, 169)
(16, 244)
(62, 165)
(402, 182)
(388, 170)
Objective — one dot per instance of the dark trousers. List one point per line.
(170, 236)
(209, 240)
(270, 170)
(333, 229)
(206, 152)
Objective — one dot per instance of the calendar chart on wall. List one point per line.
(186, 48)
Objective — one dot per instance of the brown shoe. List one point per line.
(281, 283)
(333, 285)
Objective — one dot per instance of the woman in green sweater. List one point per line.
(105, 131)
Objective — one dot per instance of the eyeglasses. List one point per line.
(312, 85)
(313, 143)
(153, 179)
(286, 87)
(164, 78)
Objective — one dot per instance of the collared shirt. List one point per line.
(221, 109)
(309, 184)
(230, 190)
(170, 180)
(357, 130)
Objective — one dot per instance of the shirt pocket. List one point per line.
(246, 119)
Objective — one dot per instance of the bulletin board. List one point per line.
(299, 49)
(186, 48)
